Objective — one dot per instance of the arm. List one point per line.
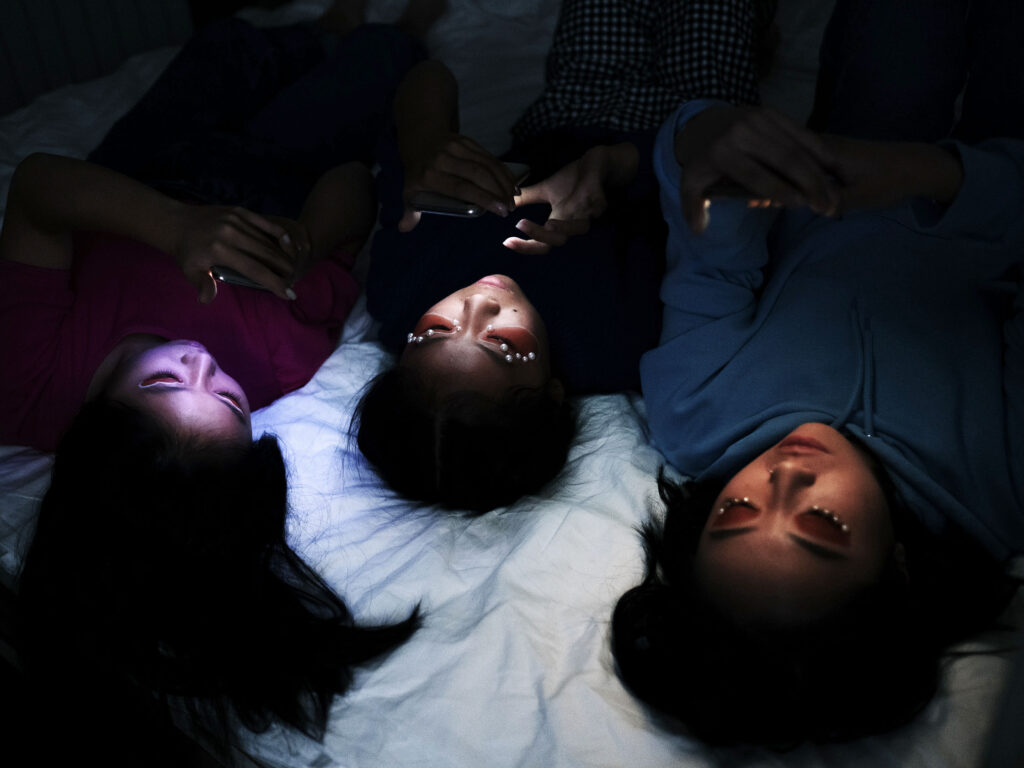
(882, 173)
(339, 212)
(778, 162)
(52, 197)
(577, 193)
(435, 157)
(715, 271)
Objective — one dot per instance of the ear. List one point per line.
(556, 390)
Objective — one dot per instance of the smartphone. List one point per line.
(432, 202)
(233, 277)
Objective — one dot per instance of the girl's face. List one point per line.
(486, 337)
(181, 384)
(801, 528)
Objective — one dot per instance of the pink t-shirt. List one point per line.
(57, 326)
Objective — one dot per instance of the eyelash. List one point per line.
(734, 502)
(503, 344)
(825, 514)
(159, 375)
(235, 399)
(831, 517)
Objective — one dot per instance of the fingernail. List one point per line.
(286, 239)
(290, 294)
(501, 208)
(521, 225)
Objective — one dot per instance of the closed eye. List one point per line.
(819, 526)
(732, 513)
(164, 377)
(517, 339)
(504, 343)
(234, 399)
(434, 323)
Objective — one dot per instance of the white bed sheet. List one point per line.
(512, 666)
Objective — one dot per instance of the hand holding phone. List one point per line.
(433, 202)
(237, 238)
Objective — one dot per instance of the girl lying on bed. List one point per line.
(846, 390)
(497, 319)
(160, 555)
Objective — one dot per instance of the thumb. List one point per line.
(207, 289)
(695, 213)
(409, 220)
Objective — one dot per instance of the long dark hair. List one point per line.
(868, 666)
(464, 451)
(159, 565)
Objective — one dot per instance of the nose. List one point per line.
(789, 477)
(199, 363)
(480, 306)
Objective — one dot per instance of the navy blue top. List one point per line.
(903, 325)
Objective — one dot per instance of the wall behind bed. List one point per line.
(48, 43)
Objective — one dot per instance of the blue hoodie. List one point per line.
(903, 325)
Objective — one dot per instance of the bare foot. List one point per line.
(419, 16)
(343, 16)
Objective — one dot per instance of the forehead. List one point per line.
(451, 364)
(756, 577)
(190, 411)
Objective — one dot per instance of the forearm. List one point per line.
(877, 173)
(426, 108)
(52, 197)
(932, 171)
(340, 210)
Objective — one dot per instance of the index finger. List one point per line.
(528, 247)
(554, 231)
(535, 193)
(272, 229)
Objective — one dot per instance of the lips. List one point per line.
(798, 444)
(497, 281)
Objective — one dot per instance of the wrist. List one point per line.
(924, 170)
(615, 164)
(624, 160)
(168, 225)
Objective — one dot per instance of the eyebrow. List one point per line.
(494, 354)
(163, 390)
(820, 551)
(815, 549)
